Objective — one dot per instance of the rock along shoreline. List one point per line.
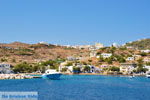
(15, 76)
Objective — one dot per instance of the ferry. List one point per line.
(51, 74)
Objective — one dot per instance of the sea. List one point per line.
(82, 87)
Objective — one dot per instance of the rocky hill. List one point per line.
(140, 44)
(17, 52)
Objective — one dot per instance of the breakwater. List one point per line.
(15, 76)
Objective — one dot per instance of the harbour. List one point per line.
(75, 50)
(83, 87)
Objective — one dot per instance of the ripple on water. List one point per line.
(83, 87)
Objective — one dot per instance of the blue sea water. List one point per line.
(83, 87)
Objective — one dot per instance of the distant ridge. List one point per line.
(14, 44)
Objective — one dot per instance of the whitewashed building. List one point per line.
(71, 58)
(93, 54)
(137, 57)
(146, 59)
(106, 55)
(99, 45)
(127, 68)
(148, 67)
(146, 51)
(5, 69)
(130, 59)
(115, 45)
(44, 43)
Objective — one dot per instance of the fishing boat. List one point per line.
(51, 74)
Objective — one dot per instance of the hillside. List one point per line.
(140, 44)
(19, 52)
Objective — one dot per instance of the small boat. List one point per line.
(148, 75)
(51, 74)
(131, 76)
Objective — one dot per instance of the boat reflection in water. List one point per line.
(51, 74)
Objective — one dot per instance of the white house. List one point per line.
(148, 67)
(93, 69)
(93, 54)
(146, 51)
(71, 58)
(146, 59)
(115, 45)
(45, 43)
(84, 46)
(130, 59)
(106, 55)
(70, 69)
(127, 68)
(104, 66)
(5, 69)
(129, 47)
(62, 65)
(137, 57)
(99, 45)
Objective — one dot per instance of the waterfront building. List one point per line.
(148, 67)
(93, 69)
(70, 68)
(5, 69)
(127, 68)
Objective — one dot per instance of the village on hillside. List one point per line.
(80, 59)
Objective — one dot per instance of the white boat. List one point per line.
(51, 74)
(148, 75)
(131, 76)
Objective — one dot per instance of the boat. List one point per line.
(148, 75)
(51, 74)
(132, 76)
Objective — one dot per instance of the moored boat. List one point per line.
(131, 76)
(148, 75)
(51, 74)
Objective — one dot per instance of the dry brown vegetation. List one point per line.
(19, 52)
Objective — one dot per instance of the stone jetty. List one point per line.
(15, 76)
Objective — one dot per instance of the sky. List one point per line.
(74, 22)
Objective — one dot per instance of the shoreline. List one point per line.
(14, 76)
(38, 75)
(101, 74)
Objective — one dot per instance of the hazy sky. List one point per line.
(74, 21)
